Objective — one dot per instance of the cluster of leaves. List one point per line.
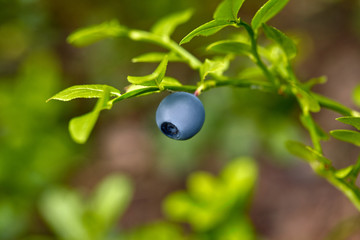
(274, 73)
(214, 207)
(71, 217)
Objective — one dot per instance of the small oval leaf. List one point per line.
(110, 200)
(155, 77)
(230, 47)
(344, 172)
(167, 25)
(347, 136)
(141, 79)
(305, 152)
(89, 35)
(353, 121)
(207, 29)
(267, 11)
(157, 57)
(81, 127)
(217, 66)
(228, 9)
(85, 91)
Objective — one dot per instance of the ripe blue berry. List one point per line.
(180, 115)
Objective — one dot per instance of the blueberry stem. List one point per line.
(197, 92)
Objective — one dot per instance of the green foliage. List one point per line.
(230, 47)
(85, 91)
(210, 200)
(167, 25)
(286, 44)
(89, 35)
(347, 136)
(73, 218)
(267, 11)
(155, 78)
(353, 121)
(35, 153)
(274, 74)
(305, 98)
(157, 57)
(228, 10)
(81, 127)
(307, 153)
(225, 15)
(217, 66)
(207, 29)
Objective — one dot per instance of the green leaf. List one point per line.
(157, 57)
(177, 205)
(228, 10)
(286, 43)
(347, 136)
(156, 77)
(230, 47)
(169, 81)
(138, 80)
(344, 172)
(207, 29)
(306, 100)
(203, 186)
(85, 91)
(110, 200)
(305, 152)
(240, 175)
(167, 25)
(353, 121)
(217, 66)
(161, 70)
(267, 11)
(89, 35)
(166, 82)
(63, 210)
(81, 127)
(356, 95)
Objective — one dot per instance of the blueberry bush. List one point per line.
(233, 77)
(272, 72)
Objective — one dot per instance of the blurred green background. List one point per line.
(52, 188)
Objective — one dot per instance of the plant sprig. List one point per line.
(277, 71)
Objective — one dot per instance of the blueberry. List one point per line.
(180, 115)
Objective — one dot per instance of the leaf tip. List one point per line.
(183, 41)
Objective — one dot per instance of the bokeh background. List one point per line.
(37, 153)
